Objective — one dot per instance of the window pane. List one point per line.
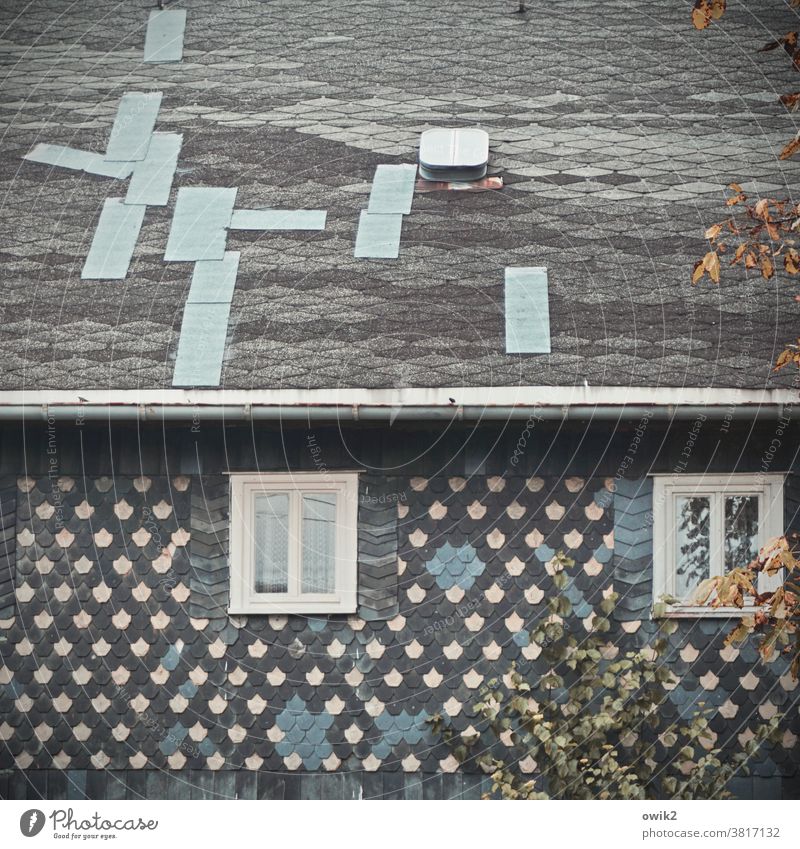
(741, 530)
(319, 540)
(271, 535)
(693, 539)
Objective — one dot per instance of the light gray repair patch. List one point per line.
(200, 224)
(201, 346)
(527, 311)
(278, 219)
(392, 189)
(213, 280)
(133, 126)
(114, 240)
(164, 39)
(152, 176)
(378, 236)
(79, 160)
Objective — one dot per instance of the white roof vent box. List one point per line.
(460, 154)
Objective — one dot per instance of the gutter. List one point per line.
(352, 413)
(471, 404)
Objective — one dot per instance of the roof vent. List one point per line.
(453, 154)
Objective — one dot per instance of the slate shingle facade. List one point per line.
(120, 663)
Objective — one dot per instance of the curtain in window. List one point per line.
(271, 536)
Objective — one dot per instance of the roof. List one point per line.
(614, 134)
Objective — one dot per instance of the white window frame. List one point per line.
(243, 490)
(768, 488)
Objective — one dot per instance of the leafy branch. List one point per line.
(777, 612)
(705, 12)
(762, 235)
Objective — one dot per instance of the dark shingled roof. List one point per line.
(614, 125)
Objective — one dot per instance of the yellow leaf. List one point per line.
(737, 257)
(704, 590)
(767, 268)
(718, 8)
(761, 209)
(711, 265)
(791, 101)
(791, 148)
(701, 14)
(713, 231)
(698, 271)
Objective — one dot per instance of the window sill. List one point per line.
(702, 612)
(278, 608)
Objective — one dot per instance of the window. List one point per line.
(294, 543)
(706, 525)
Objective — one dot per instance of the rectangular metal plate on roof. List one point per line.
(114, 241)
(213, 280)
(378, 236)
(133, 126)
(527, 311)
(152, 176)
(201, 346)
(78, 160)
(200, 224)
(392, 189)
(278, 219)
(164, 39)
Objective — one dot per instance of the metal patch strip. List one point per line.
(380, 224)
(213, 280)
(200, 224)
(133, 126)
(164, 39)
(378, 236)
(527, 311)
(201, 345)
(278, 219)
(114, 241)
(152, 176)
(392, 189)
(78, 160)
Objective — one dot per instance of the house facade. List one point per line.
(289, 436)
(125, 674)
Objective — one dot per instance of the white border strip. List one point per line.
(487, 397)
